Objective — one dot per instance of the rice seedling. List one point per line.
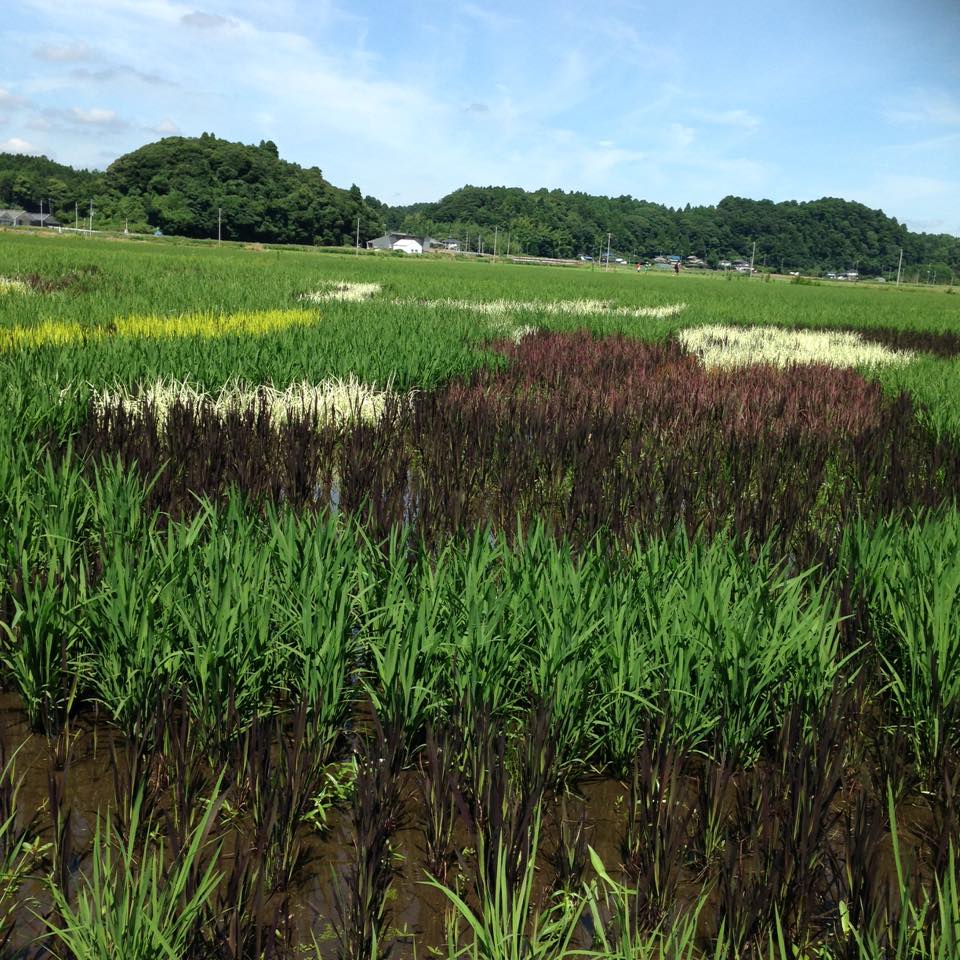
(507, 923)
(617, 934)
(134, 904)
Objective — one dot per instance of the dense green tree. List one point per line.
(179, 183)
(827, 234)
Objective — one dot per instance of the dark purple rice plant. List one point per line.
(659, 814)
(437, 785)
(777, 864)
(360, 910)
(569, 858)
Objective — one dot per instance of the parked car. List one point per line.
(585, 257)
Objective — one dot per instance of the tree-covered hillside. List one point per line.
(178, 184)
(821, 234)
(26, 180)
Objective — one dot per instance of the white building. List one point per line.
(405, 242)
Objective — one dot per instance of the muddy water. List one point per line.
(416, 910)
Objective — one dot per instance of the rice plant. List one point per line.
(134, 904)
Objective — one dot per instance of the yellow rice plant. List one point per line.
(729, 346)
(251, 323)
(49, 332)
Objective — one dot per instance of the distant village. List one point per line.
(411, 243)
(414, 244)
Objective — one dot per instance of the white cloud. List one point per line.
(730, 118)
(7, 99)
(924, 107)
(68, 53)
(95, 117)
(166, 127)
(488, 17)
(17, 145)
(680, 136)
(205, 21)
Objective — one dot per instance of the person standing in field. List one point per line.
(676, 268)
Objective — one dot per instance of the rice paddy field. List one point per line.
(357, 606)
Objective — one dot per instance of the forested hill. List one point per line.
(821, 234)
(177, 185)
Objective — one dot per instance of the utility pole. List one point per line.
(91, 216)
(606, 265)
(358, 236)
(899, 266)
(219, 225)
(752, 258)
(76, 215)
(508, 244)
(496, 231)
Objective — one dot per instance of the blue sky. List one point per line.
(676, 103)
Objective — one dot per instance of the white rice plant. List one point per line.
(574, 308)
(334, 400)
(344, 291)
(730, 346)
(9, 285)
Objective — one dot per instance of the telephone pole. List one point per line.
(496, 231)
(899, 266)
(219, 225)
(358, 236)
(753, 257)
(606, 265)
(91, 216)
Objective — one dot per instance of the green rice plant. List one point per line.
(225, 611)
(131, 627)
(507, 923)
(402, 629)
(927, 928)
(39, 646)
(617, 934)
(909, 580)
(564, 596)
(21, 850)
(316, 565)
(731, 639)
(135, 904)
(488, 629)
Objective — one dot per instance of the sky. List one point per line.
(675, 103)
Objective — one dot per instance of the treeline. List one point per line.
(179, 184)
(820, 235)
